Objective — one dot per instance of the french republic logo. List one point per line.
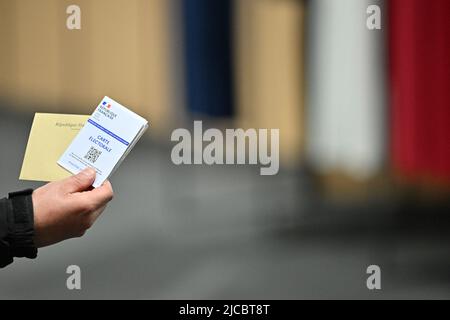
(105, 109)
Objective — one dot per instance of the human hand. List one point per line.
(66, 209)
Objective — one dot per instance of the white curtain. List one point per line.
(346, 98)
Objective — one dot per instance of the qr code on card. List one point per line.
(92, 155)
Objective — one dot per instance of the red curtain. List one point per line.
(419, 57)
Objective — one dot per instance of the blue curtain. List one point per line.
(208, 56)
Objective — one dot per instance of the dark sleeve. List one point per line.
(5, 257)
(16, 227)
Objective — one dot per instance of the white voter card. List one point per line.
(107, 137)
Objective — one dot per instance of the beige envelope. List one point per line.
(50, 136)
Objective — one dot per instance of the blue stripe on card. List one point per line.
(108, 132)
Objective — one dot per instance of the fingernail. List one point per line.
(88, 172)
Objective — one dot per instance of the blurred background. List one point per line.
(364, 119)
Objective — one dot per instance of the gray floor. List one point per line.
(218, 232)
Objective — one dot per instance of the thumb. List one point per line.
(79, 182)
